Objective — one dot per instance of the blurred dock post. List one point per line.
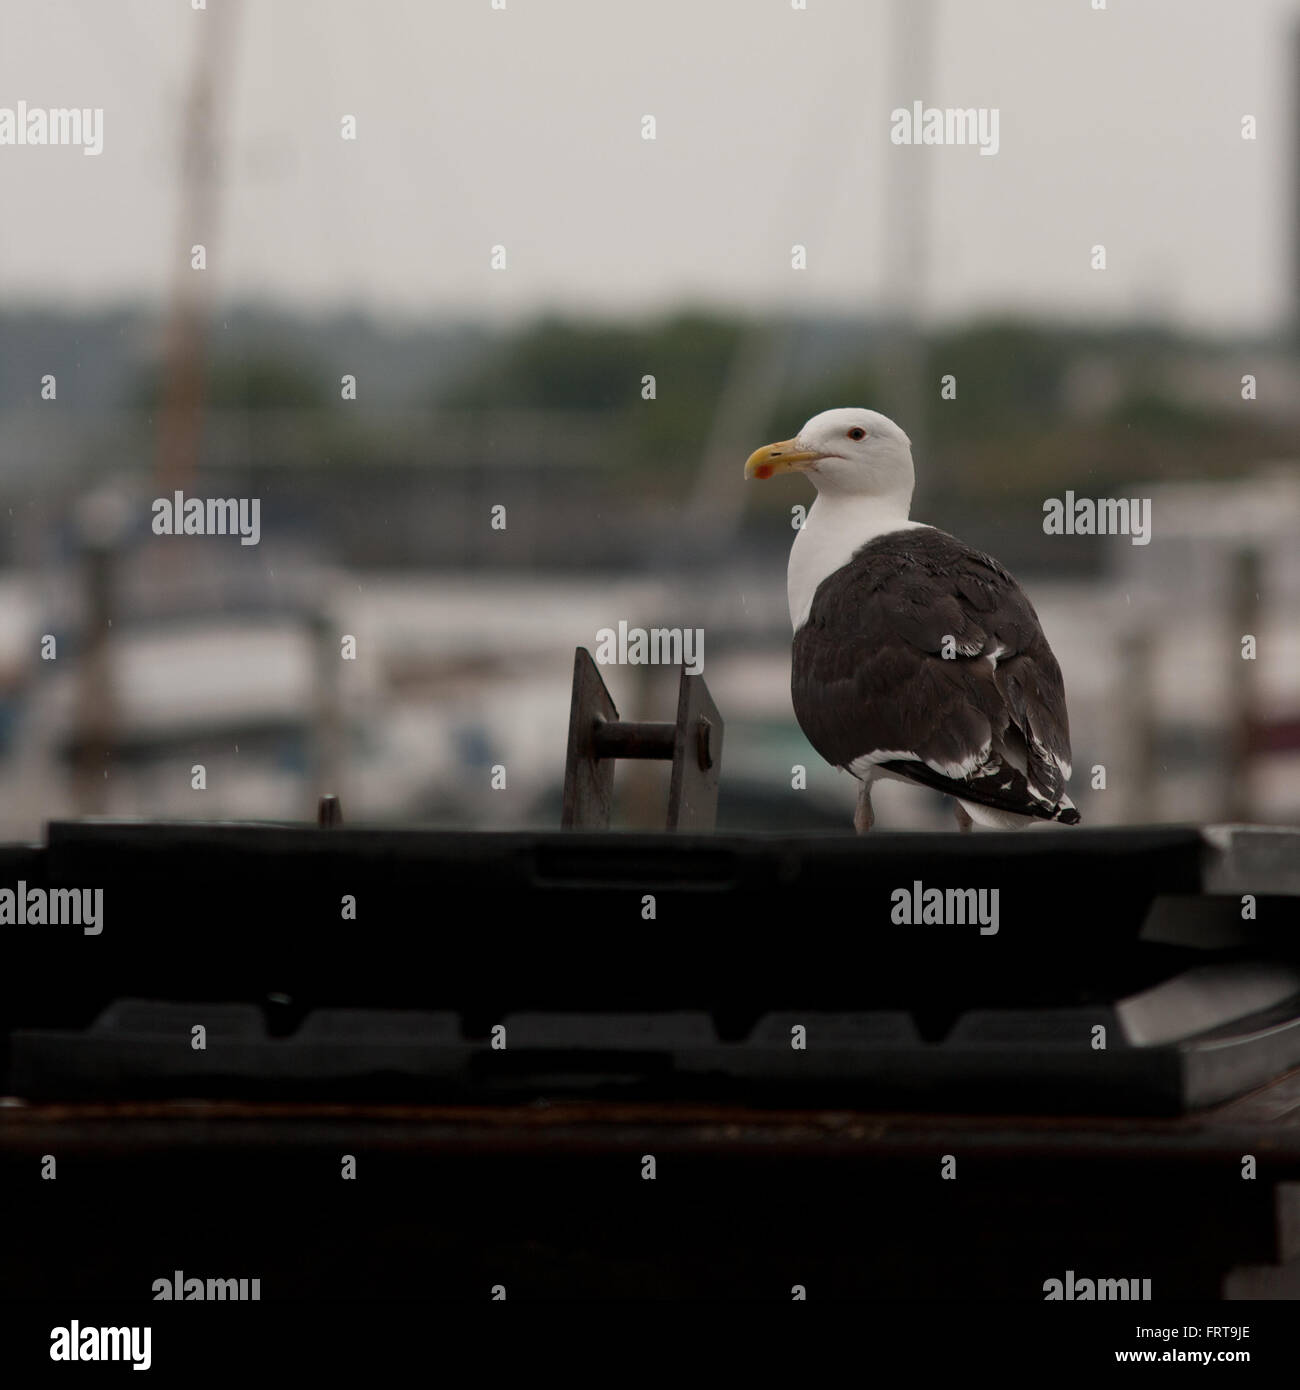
(327, 713)
(1138, 710)
(1241, 722)
(101, 524)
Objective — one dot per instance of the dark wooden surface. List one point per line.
(549, 1199)
(1268, 1118)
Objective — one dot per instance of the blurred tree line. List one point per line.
(1034, 404)
(1037, 405)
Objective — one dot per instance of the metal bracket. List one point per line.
(597, 737)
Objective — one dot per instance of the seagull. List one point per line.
(916, 658)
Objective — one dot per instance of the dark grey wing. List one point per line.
(870, 679)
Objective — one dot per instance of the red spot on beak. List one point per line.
(764, 470)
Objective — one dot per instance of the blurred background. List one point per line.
(499, 259)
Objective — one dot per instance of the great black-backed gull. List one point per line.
(916, 657)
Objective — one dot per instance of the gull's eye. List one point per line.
(857, 433)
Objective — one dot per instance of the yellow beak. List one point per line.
(783, 457)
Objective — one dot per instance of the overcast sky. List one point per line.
(523, 127)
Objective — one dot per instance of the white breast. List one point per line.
(836, 528)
